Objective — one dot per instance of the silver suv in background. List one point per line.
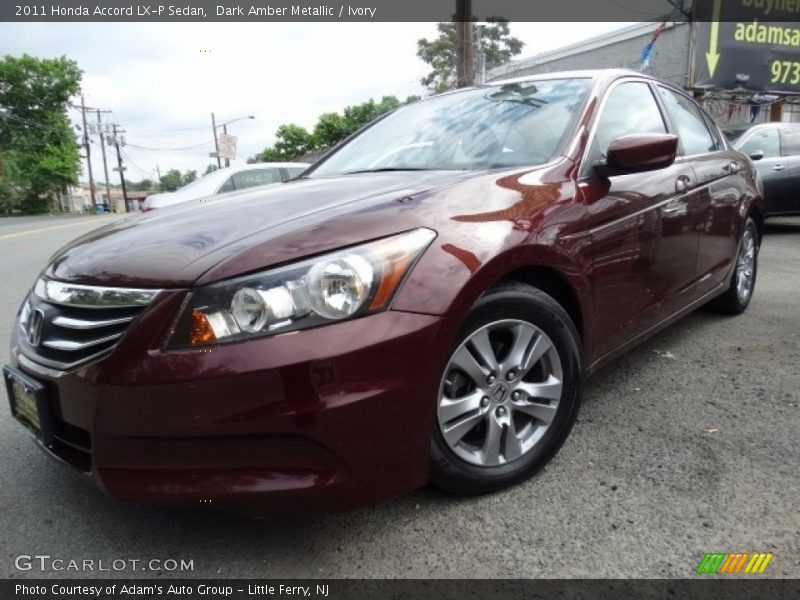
(229, 179)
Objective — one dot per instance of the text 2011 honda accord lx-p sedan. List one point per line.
(424, 304)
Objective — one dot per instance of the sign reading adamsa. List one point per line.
(747, 44)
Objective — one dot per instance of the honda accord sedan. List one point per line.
(424, 304)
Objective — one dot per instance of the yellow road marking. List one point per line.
(39, 230)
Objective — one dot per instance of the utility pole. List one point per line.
(216, 142)
(465, 47)
(88, 152)
(120, 166)
(103, 147)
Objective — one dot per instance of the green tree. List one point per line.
(144, 185)
(493, 38)
(189, 177)
(293, 141)
(330, 128)
(210, 168)
(170, 181)
(37, 144)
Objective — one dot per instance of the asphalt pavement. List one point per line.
(686, 445)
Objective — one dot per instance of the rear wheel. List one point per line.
(743, 280)
(509, 394)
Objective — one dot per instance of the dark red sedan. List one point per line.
(423, 304)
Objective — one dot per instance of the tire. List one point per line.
(481, 404)
(737, 298)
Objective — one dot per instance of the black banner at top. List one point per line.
(353, 10)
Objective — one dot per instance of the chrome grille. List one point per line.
(65, 325)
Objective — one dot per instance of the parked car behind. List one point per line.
(424, 304)
(775, 148)
(229, 179)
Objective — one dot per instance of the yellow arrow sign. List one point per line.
(712, 56)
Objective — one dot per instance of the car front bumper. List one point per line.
(324, 419)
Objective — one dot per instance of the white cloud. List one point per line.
(163, 80)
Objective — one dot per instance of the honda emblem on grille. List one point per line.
(34, 329)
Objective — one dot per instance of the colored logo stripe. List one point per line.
(732, 563)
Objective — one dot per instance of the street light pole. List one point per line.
(225, 132)
(216, 142)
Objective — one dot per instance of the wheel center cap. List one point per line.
(499, 393)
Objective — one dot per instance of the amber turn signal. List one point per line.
(201, 331)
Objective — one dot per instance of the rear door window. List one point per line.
(715, 132)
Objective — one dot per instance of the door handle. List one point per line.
(682, 184)
(778, 167)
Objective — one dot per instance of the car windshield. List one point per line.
(515, 124)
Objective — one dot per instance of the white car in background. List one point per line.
(225, 180)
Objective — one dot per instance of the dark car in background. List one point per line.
(424, 304)
(775, 148)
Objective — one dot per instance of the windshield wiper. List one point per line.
(388, 169)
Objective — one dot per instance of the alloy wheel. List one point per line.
(745, 266)
(500, 393)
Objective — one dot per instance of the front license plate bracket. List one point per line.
(29, 403)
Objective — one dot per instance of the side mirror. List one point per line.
(757, 155)
(637, 153)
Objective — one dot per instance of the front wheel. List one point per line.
(509, 394)
(743, 280)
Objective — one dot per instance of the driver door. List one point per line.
(643, 244)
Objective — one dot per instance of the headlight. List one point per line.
(341, 285)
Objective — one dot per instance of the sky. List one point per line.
(162, 80)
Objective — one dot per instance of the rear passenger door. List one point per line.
(718, 187)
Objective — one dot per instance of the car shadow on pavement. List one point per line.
(782, 226)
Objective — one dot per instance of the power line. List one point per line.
(208, 143)
(128, 158)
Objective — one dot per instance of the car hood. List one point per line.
(174, 247)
